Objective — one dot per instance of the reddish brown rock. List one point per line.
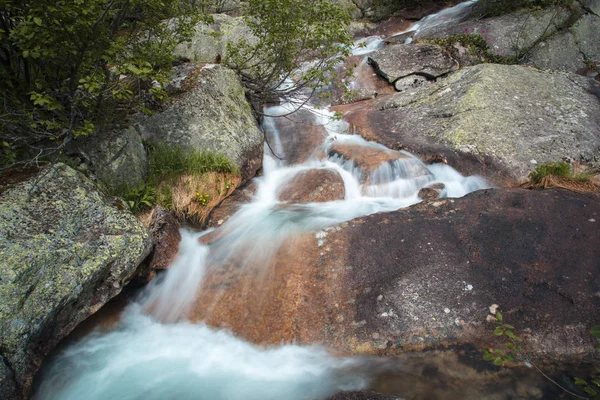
(432, 192)
(165, 234)
(366, 158)
(425, 277)
(314, 186)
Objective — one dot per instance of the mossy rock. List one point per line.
(65, 250)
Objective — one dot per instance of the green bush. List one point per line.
(290, 34)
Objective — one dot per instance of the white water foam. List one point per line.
(147, 360)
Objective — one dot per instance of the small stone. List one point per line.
(591, 220)
(447, 310)
(533, 162)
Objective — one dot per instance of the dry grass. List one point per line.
(146, 217)
(570, 183)
(193, 197)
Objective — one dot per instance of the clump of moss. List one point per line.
(478, 47)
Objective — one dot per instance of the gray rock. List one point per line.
(117, 158)
(410, 82)
(210, 41)
(402, 60)
(570, 49)
(507, 115)
(212, 116)
(65, 250)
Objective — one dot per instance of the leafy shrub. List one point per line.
(71, 67)
(140, 197)
(290, 34)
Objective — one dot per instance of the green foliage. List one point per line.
(140, 197)
(559, 169)
(477, 46)
(593, 390)
(169, 162)
(512, 352)
(68, 67)
(290, 34)
(595, 331)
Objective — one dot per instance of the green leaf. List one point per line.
(580, 382)
(507, 326)
(595, 331)
(38, 21)
(596, 382)
(498, 331)
(499, 316)
(590, 391)
(498, 361)
(25, 53)
(488, 356)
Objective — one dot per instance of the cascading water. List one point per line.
(156, 353)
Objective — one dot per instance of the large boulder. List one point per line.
(426, 277)
(554, 38)
(508, 117)
(402, 60)
(209, 42)
(65, 250)
(211, 116)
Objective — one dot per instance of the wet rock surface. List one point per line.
(502, 116)
(65, 250)
(242, 195)
(300, 137)
(164, 229)
(426, 276)
(401, 60)
(211, 116)
(315, 185)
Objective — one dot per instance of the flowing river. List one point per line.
(156, 352)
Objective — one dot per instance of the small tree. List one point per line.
(70, 67)
(299, 39)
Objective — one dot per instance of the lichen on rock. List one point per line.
(65, 250)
